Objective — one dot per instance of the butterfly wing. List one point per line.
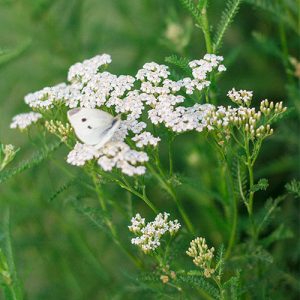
(93, 126)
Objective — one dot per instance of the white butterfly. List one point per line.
(93, 126)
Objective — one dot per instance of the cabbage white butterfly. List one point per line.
(93, 126)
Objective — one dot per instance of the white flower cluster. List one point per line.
(24, 120)
(159, 92)
(47, 97)
(119, 155)
(153, 72)
(150, 94)
(89, 87)
(150, 234)
(84, 71)
(204, 66)
(202, 255)
(112, 155)
(81, 154)
(144, 139)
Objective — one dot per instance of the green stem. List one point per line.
(125, 185)
(14, 288)
(205, 28)
(232, 237)
(171, 139)
(218, 283)
(234, 215)
(108, 221)
(249, 205)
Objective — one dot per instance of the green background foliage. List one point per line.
(60, 246)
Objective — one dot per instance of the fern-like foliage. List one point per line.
(199, 282)
(190, 6)
(293, 188)
(239, 179)
(94, 215)
(262, 185)
(63, 188)
(220, 260)
(233, 287)
(229, 13)
(271, 207)
(35, 160)
(280, 12)
(179, 62)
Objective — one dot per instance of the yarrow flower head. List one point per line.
(119, 155)
(85, 70)
(144, 139)
(111, 155)
(202, 255)
(150, 94)
(81, 154)
(150, 234)
(47, 97)
(24, 120)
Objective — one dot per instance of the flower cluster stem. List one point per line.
(250, 163)
(169, 189)
(108, 221)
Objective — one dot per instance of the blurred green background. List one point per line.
(60, 255)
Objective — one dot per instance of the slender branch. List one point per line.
(125, 185)
(170, 144)
(108, 221)
(166, 185)
(14, 287)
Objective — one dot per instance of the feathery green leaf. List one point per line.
(293, 188)
(36, 159)
(230, 11)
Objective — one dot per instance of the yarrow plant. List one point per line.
(151, 92)
(149, 110)
(144, 104)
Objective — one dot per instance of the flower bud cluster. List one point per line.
(167, 275)
(255, 123)
(241, 97)
(202, 255)
(59, 129)
(268, 107)
(149, 234)
(7, 154)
